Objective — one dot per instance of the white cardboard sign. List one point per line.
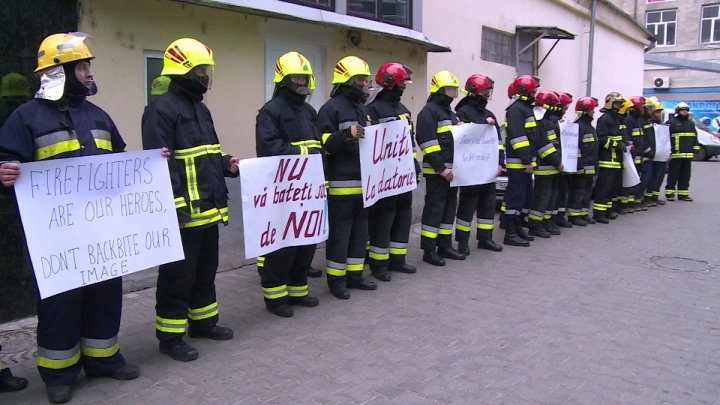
(662, 143)
(476, 154)
(630, 175)
(387, 165)
(284, 202)
(569, 135)
(94, 218)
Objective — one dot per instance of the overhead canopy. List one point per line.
(540, 33)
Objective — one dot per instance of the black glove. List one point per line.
(621, 147)
(354, 132)
(418, 171)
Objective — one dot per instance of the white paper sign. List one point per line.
(94, 218)
(476, 154)
(386, 161)
(569, 135)
(284, 202)
(662, 143)
(630, 174)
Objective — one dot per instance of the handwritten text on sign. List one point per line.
(630, 178)
(476, 154)
(283, 202)
(569, 135)
(94, 218)
(387, 165)
(662, 143)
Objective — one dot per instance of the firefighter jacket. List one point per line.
(344, 109)
(287, 125)
(648, 139)
(39, 130)
(555, 138)
(588, 143)
(521, 134)
(387, 107)
(635, 133)
(609, 134)
(683, 137)
(473, 109)
(434, 136)
(549, 158)
(179, 121)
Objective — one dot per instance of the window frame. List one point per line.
(665, 24)
(378, 13)
(149, 55)
(715, 20)
(307, 3)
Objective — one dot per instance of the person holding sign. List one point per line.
(659, 167)
(549, 165)
(437, 145)
(581, 183)
(342, 122)
(390, 218)
(611, 148)
(481, 198)
(76, 329)
(287, 125)
(180, 121)
(648, 154)
(684, 144)
(560, 204)
(521, 146)
(634, 133)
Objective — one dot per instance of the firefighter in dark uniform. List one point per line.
(287, 125)
(561, 202)
(479, 198)
(610, 150)
(342, 120)
(390, 218)
(549, 166)
(641, 150)
(684, 143)
(76, 329)
(659, 169)
(581, 182)
(521, 145)
(643, 193)
(634, 135)
(437, 145)
(621, 195)
(178, 120)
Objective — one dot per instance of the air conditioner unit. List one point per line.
(661, 82)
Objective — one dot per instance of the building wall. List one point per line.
(122, 31)
(566, 67)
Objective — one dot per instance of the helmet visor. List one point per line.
(487, 93)
(203, 74)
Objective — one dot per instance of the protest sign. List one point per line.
(387, 165)
(662, 143)
(630, 175)
(284, 202)
(476, 154)
(94, 218)
(569, 135)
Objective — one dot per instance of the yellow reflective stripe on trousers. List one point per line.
(273, 293)
(485, 224)
(261, 261)
(99, 347)
(297, 290)
(461, 225)
(55, 149)
(58, 359)
(335, 268)
(345, 187)
(398, 248)
(170, 325)
(203, 313)
(378, 253)
(429, 231)
(355, 264)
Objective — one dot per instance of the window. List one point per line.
(663, 25)
(153, 67)
(498, 47)
(395, 12)
(710, 26)
(326, 4)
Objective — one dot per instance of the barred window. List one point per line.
(498, 47)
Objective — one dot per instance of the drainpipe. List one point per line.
(591, 50)
(635, 11)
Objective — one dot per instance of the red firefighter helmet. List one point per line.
(477, 83)
(638, 102)
(547, 99)
(565, 99)
(511, 90)
(525, 84)
(392, 73)
(586, 104)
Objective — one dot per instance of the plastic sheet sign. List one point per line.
(94, 218)
(662, 143)
(630, 178)
(476, 154)
(387, 165)
(569, 135)
(284, 202)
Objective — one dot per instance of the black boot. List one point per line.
(403, 268)
(359, 282)
(450, 253)
(579, 221)
(550, 226)
(521, 231)
(313, 272)
(216, 333)
(511, 235)
(178, 350)
(601, 217)
(125, 373)
(380, 273)
(561, 221)
(304, 301)
(489, 244)
(281, 309)
(610, 214)
(432, 257)
(590, 220)
(537, 229)
(464, 248)
(337, 287)
(12, 384)
(59, 394)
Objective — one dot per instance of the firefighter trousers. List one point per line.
(78, 329)
(642, 189)
(544, 196)
(604, 188)
(561, 202)
(679, 171)
(659, 169)
(478, 199)
(4, 372)
(347, 238)
(389, 226)
(438, 214)
(588, 194)
(576, 194)
(616, 192)
(186, 288)
(519, 192)
(283, 274)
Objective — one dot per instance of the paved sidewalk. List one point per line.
(584, 318)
